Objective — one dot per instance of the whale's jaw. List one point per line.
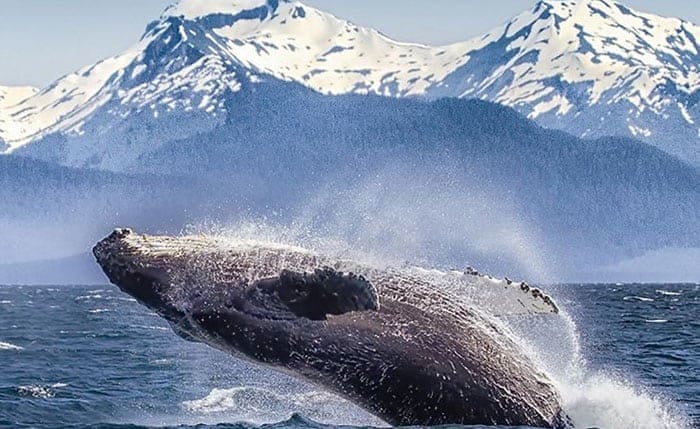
(391, 343)
(126, 267)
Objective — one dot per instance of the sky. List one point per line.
(42, 40)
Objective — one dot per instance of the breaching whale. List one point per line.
(392, 340)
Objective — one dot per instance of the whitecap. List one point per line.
(8, 346)
(98, 310)
(638, 298)
(259, 405)
(220, 400)
(88, 297)
(668, 292)
(656, 321)
(5, 301)
(153, 328)
(37, 391)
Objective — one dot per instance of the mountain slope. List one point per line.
(449, 182)
(596, 68)
(49, 211)
(591, 67)
(11, 96)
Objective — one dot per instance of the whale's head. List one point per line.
(195, 282)
(140, 269)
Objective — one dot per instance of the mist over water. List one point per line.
(403, 213)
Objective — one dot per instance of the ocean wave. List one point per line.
(120, 298)
(668, 292)
(40, 391)
(593, 398)
(88, 297)
(150, 327)
(637, 298)
(254, 400)
(260, 405)
(9, 346)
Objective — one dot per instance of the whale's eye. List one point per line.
(323, 292)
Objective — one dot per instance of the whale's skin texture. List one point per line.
(400, 348)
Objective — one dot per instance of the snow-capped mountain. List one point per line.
(591, 67)
(11, 96)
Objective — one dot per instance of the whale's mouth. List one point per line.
(144, 269)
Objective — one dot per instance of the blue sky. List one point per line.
(44, 39)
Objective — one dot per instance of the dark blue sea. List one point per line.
(91, 357)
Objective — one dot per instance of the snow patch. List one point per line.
(193, 9)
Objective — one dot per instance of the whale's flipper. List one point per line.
(321, 293)
(499, 297)
(506, 297)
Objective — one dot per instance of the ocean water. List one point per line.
(624, 356)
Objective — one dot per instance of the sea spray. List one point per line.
(405, 215)
(591, 398)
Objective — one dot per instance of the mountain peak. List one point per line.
(575, 3)
(567, 64)
(195, 9)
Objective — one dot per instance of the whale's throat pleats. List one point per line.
(319, 294)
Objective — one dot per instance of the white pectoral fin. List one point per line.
(500, 297)
(508, 298)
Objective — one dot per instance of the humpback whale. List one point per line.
(394, 341)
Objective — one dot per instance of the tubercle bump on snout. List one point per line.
(105, 251)
(121, 232)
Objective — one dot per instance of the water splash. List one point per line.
(592, 399)
(40, 391)
(599, 400)
(260, 405)
(399, 215)
(403, 214)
